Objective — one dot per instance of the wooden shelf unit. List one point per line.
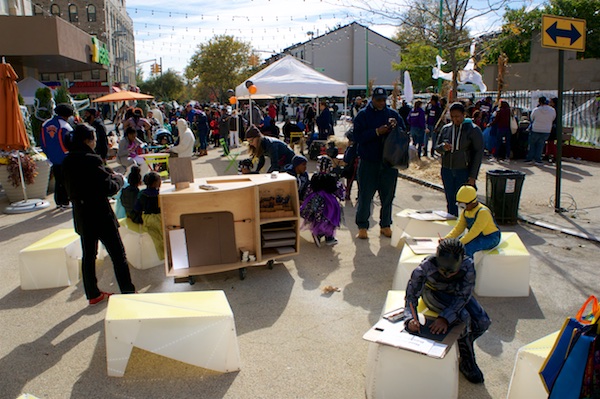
(239, 195)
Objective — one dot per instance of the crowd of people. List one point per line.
(451, 132)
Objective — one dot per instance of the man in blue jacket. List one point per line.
(371, 126)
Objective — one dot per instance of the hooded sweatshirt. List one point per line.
(542, 118)
(185, 148)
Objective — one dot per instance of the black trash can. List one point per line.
(503, 193)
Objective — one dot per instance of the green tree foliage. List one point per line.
(582, 9)
(418, 59)
(519, 25)
(165, 87)
(217, 66)
(61, 96)
(42, 111)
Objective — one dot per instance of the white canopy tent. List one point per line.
(28, 87)
(292, 78)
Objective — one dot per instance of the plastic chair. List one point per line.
(232, 157)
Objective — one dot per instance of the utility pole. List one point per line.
(441, 33)
(367, 61)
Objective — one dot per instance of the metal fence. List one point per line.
(581, 109)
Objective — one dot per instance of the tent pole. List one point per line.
(22, 178)
(251, 110)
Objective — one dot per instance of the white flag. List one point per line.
(408, 88)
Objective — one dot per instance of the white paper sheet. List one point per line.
(179, 254)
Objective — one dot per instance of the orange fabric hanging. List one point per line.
(13, 135)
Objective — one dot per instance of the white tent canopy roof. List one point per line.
(290, 77)
(28, 87)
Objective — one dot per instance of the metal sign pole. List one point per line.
(559, 129)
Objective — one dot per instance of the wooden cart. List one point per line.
(220, 219)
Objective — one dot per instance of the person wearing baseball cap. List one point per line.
(371, 126)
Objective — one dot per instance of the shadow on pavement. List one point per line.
(38, 221)
(20, 299)
(315, 264)
(30, 360)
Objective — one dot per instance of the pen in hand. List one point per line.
(415, 316)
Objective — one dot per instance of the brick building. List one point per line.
(109, 22)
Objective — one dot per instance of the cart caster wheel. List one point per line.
(243, 272)
(191, 280)
(270, 264)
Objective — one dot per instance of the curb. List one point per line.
(524, 219)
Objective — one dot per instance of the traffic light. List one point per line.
(156, 69)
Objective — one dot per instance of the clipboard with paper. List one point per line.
(394, 334)
(431, 216)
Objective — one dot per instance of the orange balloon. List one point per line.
(233, 100)
(252, 89)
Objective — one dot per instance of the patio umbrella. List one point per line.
(13, 135)
(123, 96)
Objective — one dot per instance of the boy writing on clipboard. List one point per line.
(445, 282)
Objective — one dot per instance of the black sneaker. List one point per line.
(529, 161)
(331, 242)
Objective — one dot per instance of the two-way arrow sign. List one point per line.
(555, 33)
(563, 33)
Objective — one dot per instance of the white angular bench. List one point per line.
(393, 372)
(51, 262)
(405, 226)
(504, 270)
(525, 381)
(139, 247)
(406, 264)
(193, 327)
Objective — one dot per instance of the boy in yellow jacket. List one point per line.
(482, 231)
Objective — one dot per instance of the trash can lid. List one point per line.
(505, 173)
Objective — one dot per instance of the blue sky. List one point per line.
(174, 33)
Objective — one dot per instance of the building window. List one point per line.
(61, 77)
(95, 74)
(73, 17)
(77, 76)
(91, 13)
(45, 77)
(38, 9)
(55, 10)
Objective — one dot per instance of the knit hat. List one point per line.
(298, 160)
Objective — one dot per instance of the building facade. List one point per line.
(352, 53)
(105, 20)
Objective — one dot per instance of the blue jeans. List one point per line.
(375, 177)
(418, 138)
(453, 180)
(536, 146)
(481, 243)
(503, 143)
(433, 134)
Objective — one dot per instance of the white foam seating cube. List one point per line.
(51, 262)
(394, 372)
(525, 381)
(139, 247)
(407, 262)
(405, 226)
(504, 270)
(192, 327)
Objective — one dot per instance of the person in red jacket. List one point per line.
(503, 133)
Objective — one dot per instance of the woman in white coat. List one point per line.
(185, 148)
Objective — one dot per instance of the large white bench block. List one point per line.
(404, 225)
(51, 262)
(193, 327)
(504, 270)
(139, 247)
(395, 373)
(525, 382)
(406, 264)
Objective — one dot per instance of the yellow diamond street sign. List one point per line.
(563, 33)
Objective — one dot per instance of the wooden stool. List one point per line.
(51, 262)
(394, 372)
(193, 327)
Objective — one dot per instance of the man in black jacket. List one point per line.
(461, 145)
(92, 117)
(89, 183)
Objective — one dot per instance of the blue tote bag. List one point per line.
(570, 378)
